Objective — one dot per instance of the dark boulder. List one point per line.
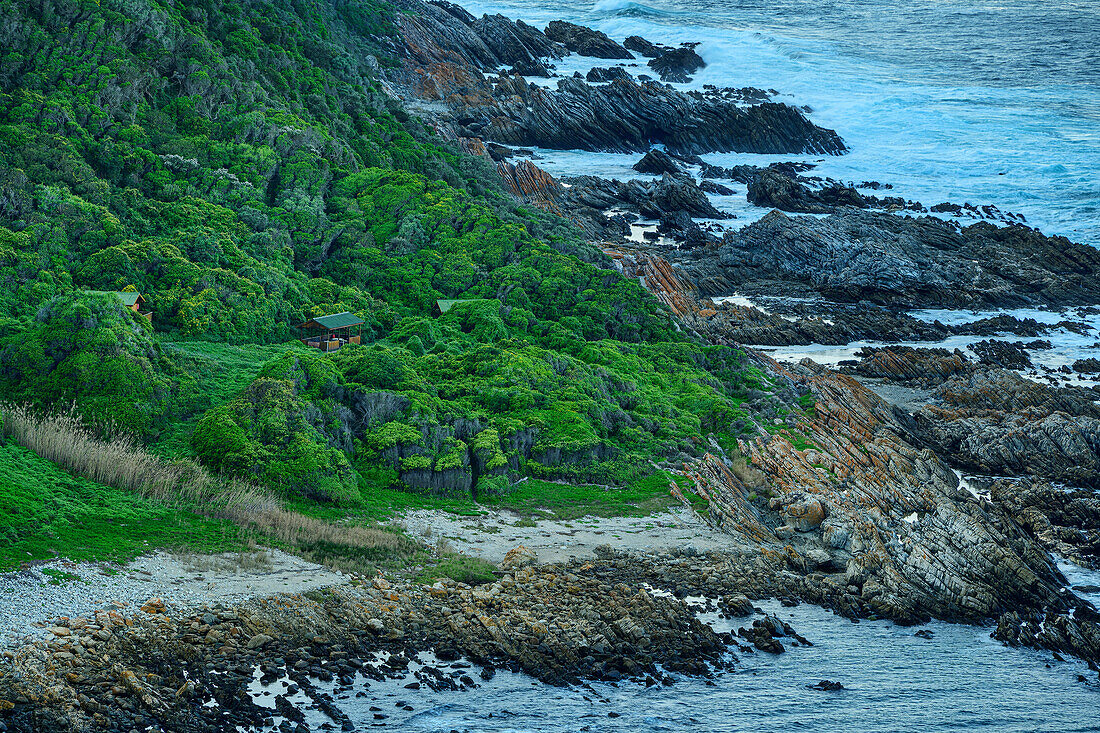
(1087, 366)
(657, 162)
(651, 199)
(600, 74)
(741, 173)
(778, 190)
(679, 224)
(715, 188)
(677, 64)
(585, 41)
(642, 47)
(1005, 354)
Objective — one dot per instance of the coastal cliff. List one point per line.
(562, 349)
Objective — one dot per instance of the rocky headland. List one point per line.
(851, 499)
(861, 491)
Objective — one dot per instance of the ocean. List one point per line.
(894, 682)
(980, 102)
(963, 102)
(986, 102)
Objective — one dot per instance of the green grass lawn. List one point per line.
(46, 513)
(548, 500)
(222, 371)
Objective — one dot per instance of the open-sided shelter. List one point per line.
(333, 331)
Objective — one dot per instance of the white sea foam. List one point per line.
(1013, 126)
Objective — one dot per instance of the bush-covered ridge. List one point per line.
(237, 164)
(462, 404)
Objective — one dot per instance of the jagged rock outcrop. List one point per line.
(1065, 520)
(658, 276)
(1005, 354)
(442, 32)
(445, 53)
(657, 162)
(1076, 634)
(642, 47)
(585, 41)
(1055, 445)
(716, 188)
(1087, 366)
(793, 323)
(912, 366)
(677, 64)
(854, 256)
(529, 182)
(904, 540)
(600, 74)
(651, 199)
(586, 200)
(623, 116)
(991, 420)
(771, 188)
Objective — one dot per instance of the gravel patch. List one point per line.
(491, 535)
(912, 399)
(66, 589)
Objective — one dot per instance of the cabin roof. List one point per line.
(333, 321)
(128, 299)
(446, 305)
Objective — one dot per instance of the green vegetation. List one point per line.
(461, 569)
(118, 500)
(60, 577)
(49, 514)
(537, 499)
(236, 163)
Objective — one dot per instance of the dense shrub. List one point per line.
(87, 348)
(237, 164)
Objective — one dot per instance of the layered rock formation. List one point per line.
(446, 53)
(993, 421)
(857, 496)
(1065, 520)
(854, 256)
(885, 521)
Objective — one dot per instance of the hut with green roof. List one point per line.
(334, 331)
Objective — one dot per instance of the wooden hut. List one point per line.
(442, 306)
(133, 300)
(333, 330)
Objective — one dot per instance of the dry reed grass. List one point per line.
(62, 438)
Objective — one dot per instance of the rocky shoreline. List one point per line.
(852, 500)
(190, 671)
(615, 618)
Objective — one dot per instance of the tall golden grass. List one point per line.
(63, 438)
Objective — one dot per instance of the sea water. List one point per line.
(959, 679)
(979, 101)
(963, 101)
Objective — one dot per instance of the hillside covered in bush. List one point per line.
(239, 165)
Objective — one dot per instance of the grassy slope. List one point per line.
(48, 513)
(143, 151)
(221, 372)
